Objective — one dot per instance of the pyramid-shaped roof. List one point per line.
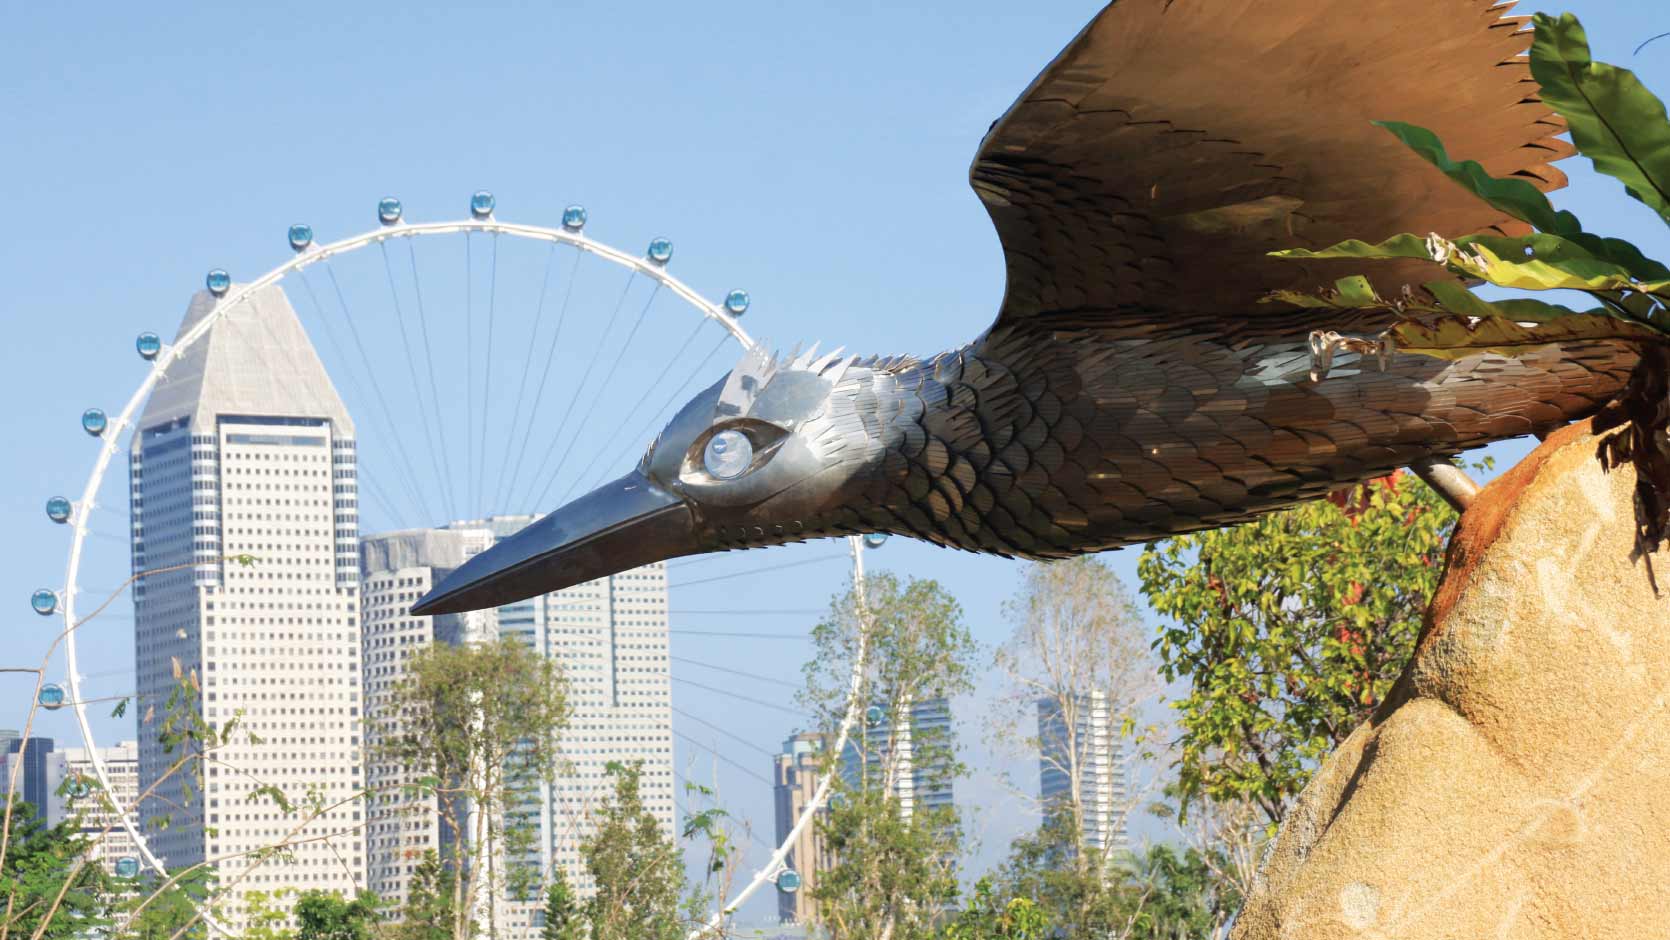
(255, 360)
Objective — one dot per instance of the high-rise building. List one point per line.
(610, 636)
(795, 779)
(101, 812)
(26, 768)
(396, 569)
(914, 750)
(244, 472)
(1081, 733)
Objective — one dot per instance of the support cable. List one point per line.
(736, 672)
(428, 415)
(591, 364)
(741, 698)
(585, 416)
(544, 374)
(487, 378)
(677, 395)
(744, 574)
(377, 389)
(396, 516)
(729, 734)
(434, 391)
(527, 368)
(598, 452)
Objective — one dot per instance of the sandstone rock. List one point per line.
(1517, 782)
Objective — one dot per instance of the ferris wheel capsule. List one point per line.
(58, 509)
(44, 601)
(94, 421)
(574, 218)
(301, 236)
(52, 696)
(148, 345)
(389, 210)
(873, 715)
(660, 250)
(127, 867)
(481, 204)
(218, 282)
(737, 302)
(788, 881)
(875, 540)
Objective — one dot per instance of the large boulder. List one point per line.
(1517, 782)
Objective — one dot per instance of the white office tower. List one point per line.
(245, 448)
(610, 635)
(100, 812)
(915, 751)
(396, 569)
(1080, 736)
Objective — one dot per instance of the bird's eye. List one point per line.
(727, 454)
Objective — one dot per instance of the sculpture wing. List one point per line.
(1174, 143)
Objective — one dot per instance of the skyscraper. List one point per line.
(396, 569)
(101, 818)
(28, 763)
(795, 779)
(609, 635)
(915, 749)
(247, 450)
(1083, 736)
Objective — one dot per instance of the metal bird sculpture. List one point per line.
(1132, 386)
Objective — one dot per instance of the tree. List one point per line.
(481, 723)
(47, 895)
(1290, 630)
(428, 914)
(638, 870)
(985, 918)
(326, 915)
(1621, 127)
(1076, 657)
(563, 919)
(1181, 896)
(893, 871)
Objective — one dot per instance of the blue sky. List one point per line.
(815, 154)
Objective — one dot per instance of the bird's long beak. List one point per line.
(619, 525)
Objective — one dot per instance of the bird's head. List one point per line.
(765, 456)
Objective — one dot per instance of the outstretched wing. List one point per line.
(1174, 143)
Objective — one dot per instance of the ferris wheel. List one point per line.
(429, 451)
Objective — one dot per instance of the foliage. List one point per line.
(638, 870)
(1181, 895)
(481, 723)
(1290, 631)
(1082, 902)
(47, 895)
(1078, 645)
(985, 918)
(265, 920)
(1622, 129)
(167, 909)
(892, 870)
(429, 912)
(326, 915)
(562, 911)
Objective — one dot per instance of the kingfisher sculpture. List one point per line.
(1132, 386)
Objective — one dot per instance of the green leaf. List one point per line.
(1614, 120)
(120, 709)
(1516, 197)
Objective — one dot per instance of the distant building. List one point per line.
(247, 450)
(1085, 735)
(397, 568)
(101, 812)
(610, 636)
(29, 764)
(795, 779)
(917, 749)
